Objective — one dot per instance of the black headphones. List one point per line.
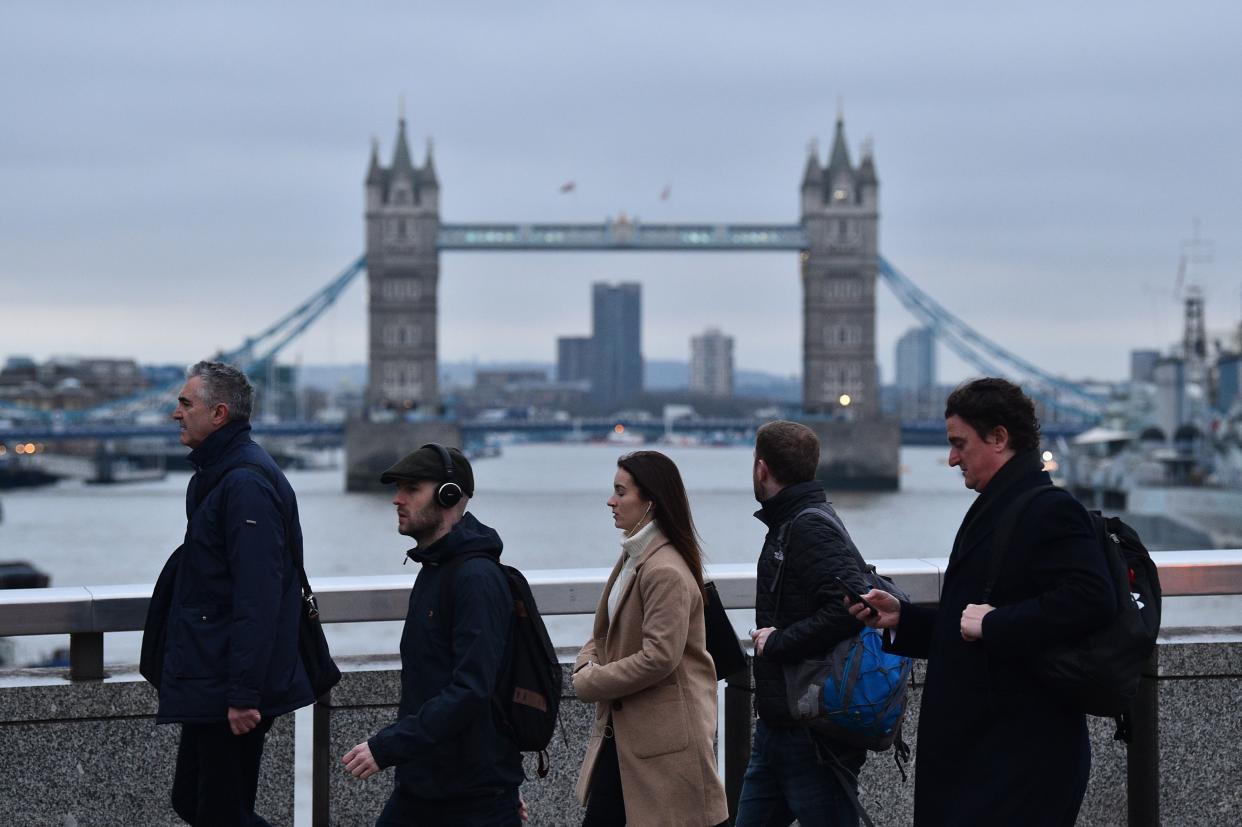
(449, 493)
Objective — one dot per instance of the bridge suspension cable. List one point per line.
(254, 354)
(987, 355)
(294, 323)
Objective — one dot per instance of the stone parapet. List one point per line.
(90, 752)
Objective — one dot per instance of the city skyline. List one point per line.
(176, 179)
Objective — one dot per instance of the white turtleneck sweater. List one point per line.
(633, 547)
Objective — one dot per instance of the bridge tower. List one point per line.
(403, 272)
(840, 382)
(840, 215)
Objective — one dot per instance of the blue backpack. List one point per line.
(855, 693)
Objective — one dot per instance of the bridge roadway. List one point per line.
(926, 432)
(621, 234)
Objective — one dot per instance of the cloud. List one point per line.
(1039, 167)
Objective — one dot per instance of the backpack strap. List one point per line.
(782, 534)
(444, 602)
(1004, 532)
(445, 597)
(845, 777)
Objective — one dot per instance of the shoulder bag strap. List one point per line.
(1004, 531)
(307, 593)
(445, 597)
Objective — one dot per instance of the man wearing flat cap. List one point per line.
(454, 765)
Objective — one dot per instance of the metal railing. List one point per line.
(87, 613)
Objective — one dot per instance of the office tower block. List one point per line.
(573, 359)
(711, 363)
(916, 360)
(616, 331)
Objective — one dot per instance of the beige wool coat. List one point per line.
(654, 677)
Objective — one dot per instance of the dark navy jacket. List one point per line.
(993, 746)
(446, 743)
(233, 623)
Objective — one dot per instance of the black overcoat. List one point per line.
(992, 746)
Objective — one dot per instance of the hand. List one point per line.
(760, 637)
(359, 762)
(242, 721)
(523, 813)
(972, 621)
(887, 609)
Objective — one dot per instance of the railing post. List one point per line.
(1143, 754)
(86, 656)
(738, 720)
(321, 743)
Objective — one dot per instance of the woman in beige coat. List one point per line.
(651, 759)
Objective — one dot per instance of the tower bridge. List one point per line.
(836, 240)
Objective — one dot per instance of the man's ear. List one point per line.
(220, 413)
(998, 438)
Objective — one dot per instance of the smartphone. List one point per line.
(853, 596)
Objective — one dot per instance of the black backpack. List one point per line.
(528, 696)
(1099, 673)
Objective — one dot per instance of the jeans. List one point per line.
(786, 780)
(217, 775)
(497, 810)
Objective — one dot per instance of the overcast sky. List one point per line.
(175, 177)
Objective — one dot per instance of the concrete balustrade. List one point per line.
(82, 747)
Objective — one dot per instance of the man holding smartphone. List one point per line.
(993, 746)
(799, 613)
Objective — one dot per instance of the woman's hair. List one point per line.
(659, 482)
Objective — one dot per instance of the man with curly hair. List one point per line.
(993, 746)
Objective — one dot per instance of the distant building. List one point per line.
(573, 359)
(1143, 365)
(1170, 378)
(499, 381)
(69, 383)
(916, 360)
(1228, 380)
(276, 395)
(711, 363)
(616, 330)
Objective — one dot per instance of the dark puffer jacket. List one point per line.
(233, 621)
(812, 617)
(447, 742)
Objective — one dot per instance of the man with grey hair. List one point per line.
(231, 661)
